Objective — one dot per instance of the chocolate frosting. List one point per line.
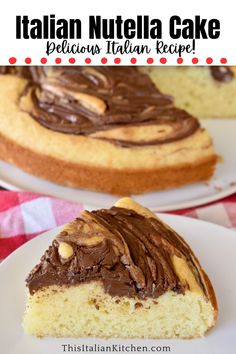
(89, 100)
(129, 253)
(221, 73)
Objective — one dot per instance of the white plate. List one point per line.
(215, 247)
(222, 185)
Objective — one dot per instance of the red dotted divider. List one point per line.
(195, 60)
(72, 60)
(117, 61)
(150, 60)
(28, 60)
(209, 60)
(104, 60)
(163, 60)
(223, 61)
(180, 61)
(88, 61)
(12, 60)
(43, 60)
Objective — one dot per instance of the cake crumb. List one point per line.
(138, 305)
(96, 304)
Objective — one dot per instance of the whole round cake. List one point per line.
(107, 129)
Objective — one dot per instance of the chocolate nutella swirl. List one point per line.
(94, 101)
(221, 73)
(129, 253)
(21, 71)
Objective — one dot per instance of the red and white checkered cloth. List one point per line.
(24, 215)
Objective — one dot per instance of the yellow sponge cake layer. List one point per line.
(196, 90)
(87, 310)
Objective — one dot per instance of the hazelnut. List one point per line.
(65, 250)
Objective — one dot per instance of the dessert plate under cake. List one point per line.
(222, 185)
(221, 339)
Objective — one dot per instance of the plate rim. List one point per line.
(166, 208)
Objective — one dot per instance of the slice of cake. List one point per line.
(206, 92)
(107, 129)
(119, 272)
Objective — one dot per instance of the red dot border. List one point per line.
(163, 60)
(150, 60)
(72, 60)
(12, 60)
(180, 60)
(118, 60)
(43, 60)
(87, 60)
(58, 61)
(209, 60)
